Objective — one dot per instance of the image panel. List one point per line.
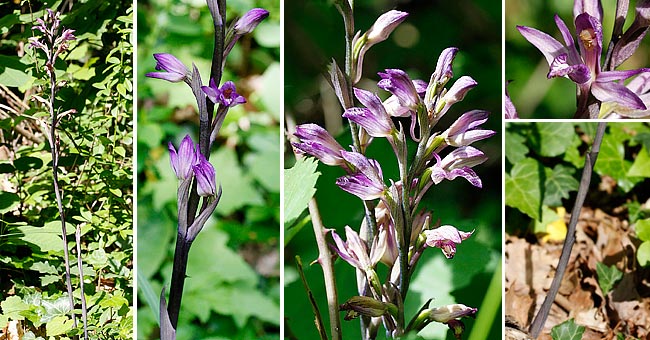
(600, 290)
(66, 156)
(209, 86)
(600, 48)
(421, 85)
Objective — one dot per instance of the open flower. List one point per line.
(446, 238)
(175, 70)
(584, 68)
(400, 85)
(464, 130)
(317, 142)
(354, 250)
(183, 160)
(458, 163)
(366, 180)
(205, 177)
(374, 118)
(225, 95)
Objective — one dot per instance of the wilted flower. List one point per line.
(366, 180)
(354, 250)
(175, 70)
(446, 237)
(317, 142)
(205, 177)
(447, 313)
(183, 161)
(458, 163)
(464, 130)
(226, 95)
(373, 118)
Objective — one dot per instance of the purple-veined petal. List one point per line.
(376, 125)
(546, 44)
(590, 40)
(446, 237)
(183, 160)
(175, 70)
(613, 92)
(384, 26)
(640, 84)
(609, 76)
(205, 177)
(361, 186)
(579, 73)
(591, 7)
(574, 58)
(398, 83)
(250, 20)
(317, 142)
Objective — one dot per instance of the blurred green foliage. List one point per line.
(95, 173)
(532, 93)
(232, 290)
(313, 35)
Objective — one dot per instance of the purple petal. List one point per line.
(205, 177)
(546, 44)
(591, 7)
(609, 76)
(250, 20)
(579, 73)
(590, 40)
(384, 26)
(613, 92)
(574, 58)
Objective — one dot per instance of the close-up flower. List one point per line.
(225, 95)
(316, 141)
(174, 70)
(365, 180)
(183, 160)
(446, 237)
(458, 163)
(205, 177)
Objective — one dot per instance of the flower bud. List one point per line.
(175, 70)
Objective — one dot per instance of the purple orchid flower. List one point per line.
(584, 68)
(366, 181)
(317, 142)
(175, 70)
(374, 118)
(640, 85)
(400, 85)
(446, 238)
(225, 95)
(447, 313)
(354, 250)
(464, 130)
(458, 163)
(247, 23)
(183, 160)
(205, 177)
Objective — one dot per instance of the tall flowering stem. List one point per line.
(394, 230)
(190, 162)
(53, 42)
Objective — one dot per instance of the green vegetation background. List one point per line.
(314, 34)
(532, 93)
(95, 172)
(232, 290)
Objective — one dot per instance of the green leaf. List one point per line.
(643, 254)
(611, 161)
(54, 308)
(59, 325)
(151, 298)
(271, 93)
(516, 148)
(263, 163)
(552, 139)
(559, 183)
(641, 165)
(642, 228)
(27, 163)
(46, 238)
(13, 71)
(8, 201)
(523, 187)
(607, 276)
(11, 309)
(268, 34)
(299, 183)
(568, 330)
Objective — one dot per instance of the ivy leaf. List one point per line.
(552, 139)
(641, 165)
(523, 187)
(59, 325)
(568, 330)
(607, 276)
(611, 161)
(559, 182)
(516, 148)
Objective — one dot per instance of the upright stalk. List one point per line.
(590, 160)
